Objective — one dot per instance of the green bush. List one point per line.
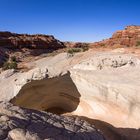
(9, 65)
(72, 51)
(85, 47)
(138, 43)
(75, 50)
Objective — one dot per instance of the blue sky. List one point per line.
(69, 20)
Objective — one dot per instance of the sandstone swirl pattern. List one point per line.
(109, 85)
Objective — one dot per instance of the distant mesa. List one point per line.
(128, 37)
(37, 41)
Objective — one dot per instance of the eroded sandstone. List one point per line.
(129, 37)
(109, 88)
(106, 85)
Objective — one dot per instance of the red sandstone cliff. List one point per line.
(38, 41)
(128, 37)
(23, 45)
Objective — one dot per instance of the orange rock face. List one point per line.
(128, 37)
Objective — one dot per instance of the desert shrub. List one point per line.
(75, 50)
(9, 65)
(138, 43)
(85, 47)
(13, 59)
(72, 51)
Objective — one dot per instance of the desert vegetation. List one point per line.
(85, 47)
(80, 47)
(72, 51)
(10, 64)
(138, 44)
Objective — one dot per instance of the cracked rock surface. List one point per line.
(24, 124)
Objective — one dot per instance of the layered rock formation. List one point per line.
(128, 37)
(23, 124)
(109, 87)
(38, 41)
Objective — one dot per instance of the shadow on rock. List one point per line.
(47, 125)
(112, 133)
